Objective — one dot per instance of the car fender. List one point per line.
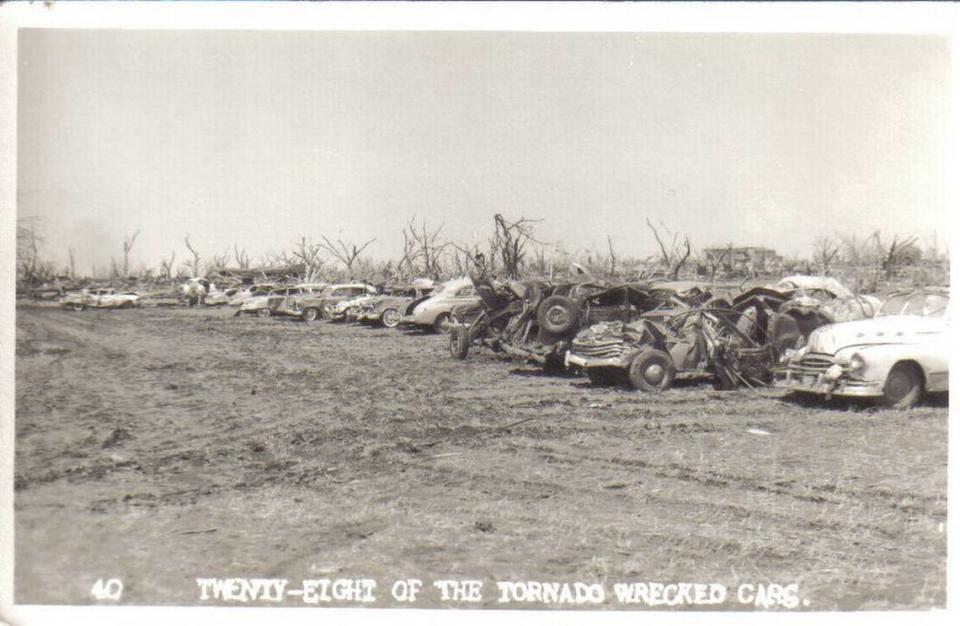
(880, 359)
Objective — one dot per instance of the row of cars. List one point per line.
(803, 333)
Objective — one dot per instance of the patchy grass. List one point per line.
(163, 445)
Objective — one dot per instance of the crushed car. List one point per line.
(805, 303)
(895, 357)
(387, 309)
(651, 352)
(250, 291)
(322, 303)
(276, 301)
(536, 320)
(100, 298)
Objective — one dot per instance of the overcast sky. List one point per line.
(259, 137)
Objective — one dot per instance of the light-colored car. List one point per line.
(387, 309)
(434, 311)
(894, 357)
(100, 298)
(277, 301)
(322, 303)
(250, 291)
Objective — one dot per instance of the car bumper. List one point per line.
(818, 384)
(588, 362)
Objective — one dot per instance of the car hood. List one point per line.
(893, 329)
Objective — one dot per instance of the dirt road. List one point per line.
(157, 446)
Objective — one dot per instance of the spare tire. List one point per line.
(459, 342)
(558, 315)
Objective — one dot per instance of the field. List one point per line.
(161, 445)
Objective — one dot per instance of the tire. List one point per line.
(390, 318)
(439, 324)
(904, 386)
(557, 315)
(264, 312)
(460, 342)
(651, 371)
(78, 307)
(309, 314)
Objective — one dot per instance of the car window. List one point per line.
(934, 305)
(894, 305)
(466, 291)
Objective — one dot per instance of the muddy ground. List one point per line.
(160, 445)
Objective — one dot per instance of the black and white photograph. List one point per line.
(538, 319)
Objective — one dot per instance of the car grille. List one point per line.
(813, 363)
(602, 349)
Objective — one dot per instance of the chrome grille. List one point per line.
(813, 363)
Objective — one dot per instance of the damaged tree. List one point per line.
(308, 253)
(509, 243)
(424, 247)
(674, 257)
(127, 247)
(825, 250)
(345, 253)
(194, 265)
(896, 255)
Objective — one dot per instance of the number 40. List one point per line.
(107, 590)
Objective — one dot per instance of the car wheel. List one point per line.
(78, 307)
(264, 312)
(557, 315)
(651, 371)
(440, 324)
(904, 386)
(460, 342)
(309, 314)
(390, 318)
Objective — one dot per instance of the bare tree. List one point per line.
(30, 269)
(856, 253)
(896, 255)
(825, 250)
(613, 257)
(127, 247)
(71, 254)
(308, 253)
(423, 250)
(218, 263)
(240, 257)
(674, 256)
(510, 241)
(344, 252)
(194, 265)
(166, 266)
(712, 259)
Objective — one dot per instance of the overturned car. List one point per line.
(536, 320)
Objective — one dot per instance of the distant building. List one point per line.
(746, 261)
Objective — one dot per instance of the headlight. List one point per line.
(857, 364)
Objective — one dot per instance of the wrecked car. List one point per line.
(250, 291)
(650, 353)
(387, 309)
(322, 303)
(537, 321)
(274, 302)
(895, 358)
(804, 303)
(100, 298)
(433, 311)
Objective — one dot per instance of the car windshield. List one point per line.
(921, 303)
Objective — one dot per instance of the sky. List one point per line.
(259, 138)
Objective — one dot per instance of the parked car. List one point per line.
(895, 357)
(321, 303)
(433, 311)
(251, 291)
(387, 309)
(218, 297)
(276, 301)
(100, 298)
